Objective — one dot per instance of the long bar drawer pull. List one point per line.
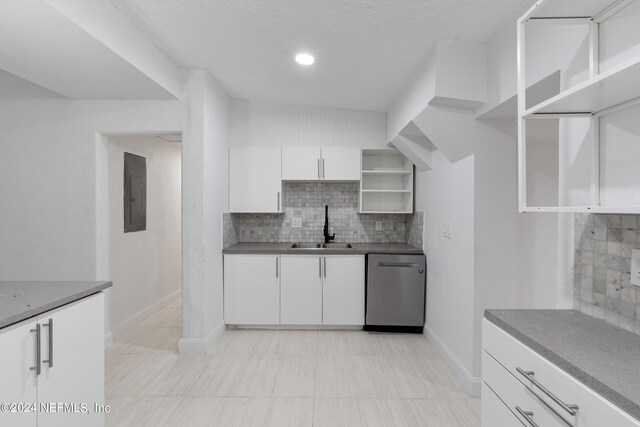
(50, 326)
(569, 408)
(527, 416)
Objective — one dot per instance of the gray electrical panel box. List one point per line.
(135, 193)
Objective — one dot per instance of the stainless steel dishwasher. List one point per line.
(396, 286)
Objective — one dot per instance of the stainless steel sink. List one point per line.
(337, 245)
(321, 246)
(306, 246)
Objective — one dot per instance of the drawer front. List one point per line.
(593, 410)
(494, 412)
(515, 395)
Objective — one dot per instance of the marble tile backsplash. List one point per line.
(303, 219)
(602, 268)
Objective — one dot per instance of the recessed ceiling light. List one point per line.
(305, 59)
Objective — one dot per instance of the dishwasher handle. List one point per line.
(399, 264)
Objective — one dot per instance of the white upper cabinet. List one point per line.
(320, 164)
(341, 164)
(255, 179)
(301, 164)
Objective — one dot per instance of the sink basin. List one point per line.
(337, 245)
(322, 246)
(306, 246)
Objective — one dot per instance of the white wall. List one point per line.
(446, 195)
(48, 181)
(145, 265)
(270, 124)
(53, 172)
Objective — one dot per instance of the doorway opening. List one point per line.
(141, 240)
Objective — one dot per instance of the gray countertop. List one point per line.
(601, 356)
(358, 249)
(22, 300)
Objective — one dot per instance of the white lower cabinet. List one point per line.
(252, 289)
(301, 290)
(294, 290)
(509, 369)
(343, 290)
(70, 357)
(322, 290)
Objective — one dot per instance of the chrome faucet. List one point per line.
(327, 237)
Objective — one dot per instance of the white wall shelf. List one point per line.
(560, 163)
(386, 184)
(615, 87)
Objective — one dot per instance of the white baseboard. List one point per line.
(472, 385)
(108, 340)
(201, 346)
(138, 317)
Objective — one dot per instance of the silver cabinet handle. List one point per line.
(278, 201)
(320, 267)
(50, 326)
(322, 168)
(318, 168)
(325, 268)
(527, 416)
(569, 408)
(277, 272)
(37, 367)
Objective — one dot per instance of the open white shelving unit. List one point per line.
(601, 94)
(386, 184)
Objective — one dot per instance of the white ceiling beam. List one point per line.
(106, 24)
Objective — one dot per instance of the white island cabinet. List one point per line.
(55, 359)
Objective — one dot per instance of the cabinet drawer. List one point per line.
(494, 412)
(593, 410)
(515, 395)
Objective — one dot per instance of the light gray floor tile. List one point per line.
(336, 412)
(281, 377)
(289, 412)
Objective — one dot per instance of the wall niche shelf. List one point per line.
(546, 181)
(386, 184)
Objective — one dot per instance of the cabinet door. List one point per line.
(343, 292)
(301, 290)
(252, 289)
(76, 374)
(18, 382)
(341, 164)
(255, 179)
(301, 164)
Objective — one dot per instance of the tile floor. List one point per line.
(281, 378)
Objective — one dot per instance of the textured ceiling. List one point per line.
(365, 49)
